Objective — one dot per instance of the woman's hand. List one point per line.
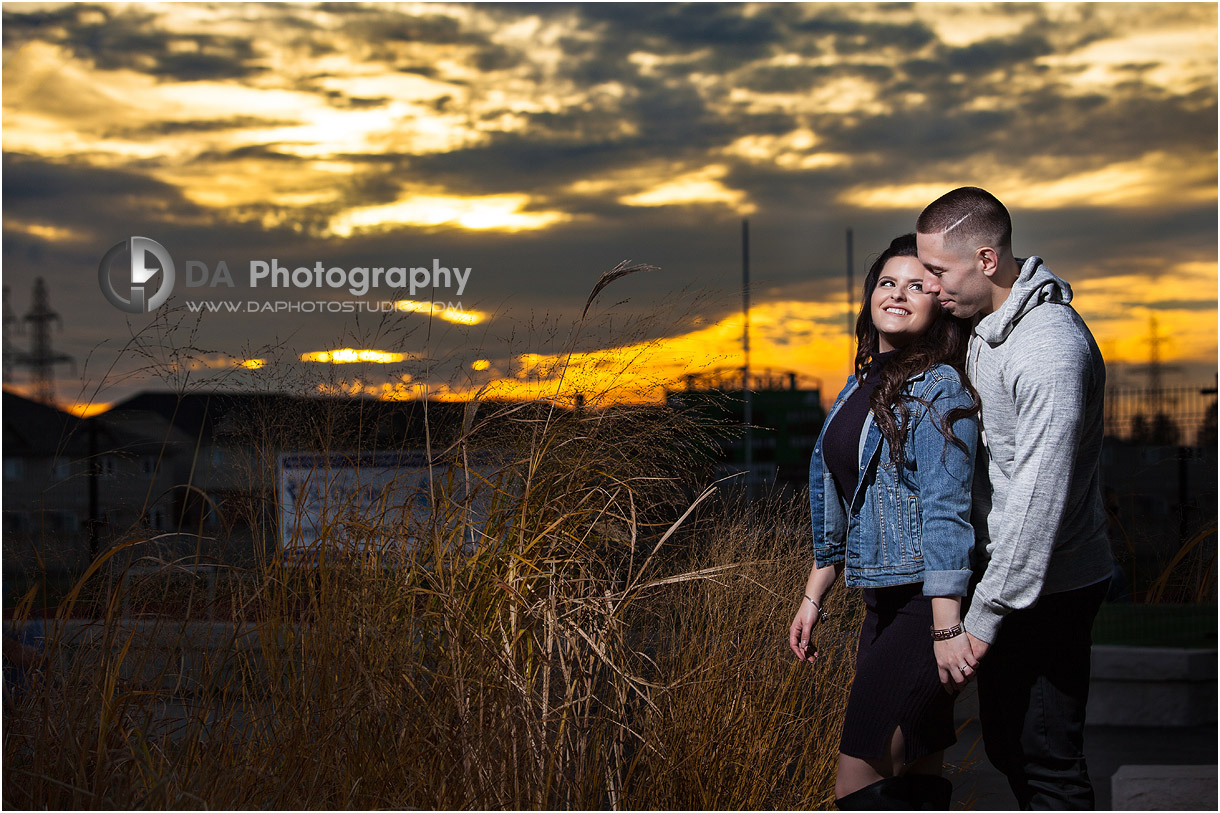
(956, 662)
(800, 634)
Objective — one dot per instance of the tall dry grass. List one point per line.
(578, 622)
(587, 652)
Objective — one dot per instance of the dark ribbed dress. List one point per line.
(897, 684)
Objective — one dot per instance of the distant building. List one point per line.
(45, 496)
(786, 415)
(72, 485)
(188, 474)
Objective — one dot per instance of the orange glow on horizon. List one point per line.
(810, 338)
(87, 410)
(442, 310)
(349, 355)
(216, 361)
(805, 337)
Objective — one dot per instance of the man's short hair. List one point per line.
(968, 214)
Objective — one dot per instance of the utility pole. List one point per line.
(1155, 390)
(851, 315)
(95, 473)
(745, 341)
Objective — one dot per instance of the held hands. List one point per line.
(954, 653)
(801, 632)
(978, 647)
(955, 661)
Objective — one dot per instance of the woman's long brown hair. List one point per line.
(944, 342)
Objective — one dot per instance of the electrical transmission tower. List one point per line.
(10, 355)
(41, 359)
(1155, 368)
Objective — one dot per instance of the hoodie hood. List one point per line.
(1035, 286)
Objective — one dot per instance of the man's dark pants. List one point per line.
(1033, 686)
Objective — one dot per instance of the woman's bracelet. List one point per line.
(822, 615)
(945, 635)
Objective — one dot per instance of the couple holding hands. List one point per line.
(990, 571)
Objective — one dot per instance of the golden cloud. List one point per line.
(486, 212)
(1154, 178)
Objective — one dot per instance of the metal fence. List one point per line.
(1167, 416)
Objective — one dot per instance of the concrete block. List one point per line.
(1164, 787)
(1148, 686)
(1129, 663)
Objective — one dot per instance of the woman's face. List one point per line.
(900, 309)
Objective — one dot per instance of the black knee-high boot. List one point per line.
(929, 792)
(911, 792)
(891, 793)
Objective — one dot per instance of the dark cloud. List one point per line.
(267, 152)
(392, 25)
(798, 78)
(1038, 122)
(915, 134)
(696, 24)
(419, 70)
(48, 23)
(853, 36)
(215, 59)
(29, 179)
(1176, 304)
(557, 149)
(497, 58)
(512, 162)
(337, 98)
(112, 37)
(157, 129)
(1000, 53)
(404, 40)
(1080, 242)
(1094, 130)
(107, 205)
(705, 38)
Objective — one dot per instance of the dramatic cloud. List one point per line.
(538, 145)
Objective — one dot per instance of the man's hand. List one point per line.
(979, 648)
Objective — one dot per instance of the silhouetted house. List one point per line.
(44, 472)
(72, 486)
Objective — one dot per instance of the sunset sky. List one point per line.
(539, 145)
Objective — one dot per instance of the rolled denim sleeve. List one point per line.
(944, 472)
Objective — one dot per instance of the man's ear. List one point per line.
(988, 260)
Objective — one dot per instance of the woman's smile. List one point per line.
(902, 310)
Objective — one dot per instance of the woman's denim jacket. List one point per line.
(910, 525)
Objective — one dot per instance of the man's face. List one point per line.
(954, 276)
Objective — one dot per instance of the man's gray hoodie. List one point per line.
(1038, 512)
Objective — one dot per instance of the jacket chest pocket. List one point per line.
(899, 528)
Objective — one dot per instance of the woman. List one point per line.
(890, 495)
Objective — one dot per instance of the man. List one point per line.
(1038, 512)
